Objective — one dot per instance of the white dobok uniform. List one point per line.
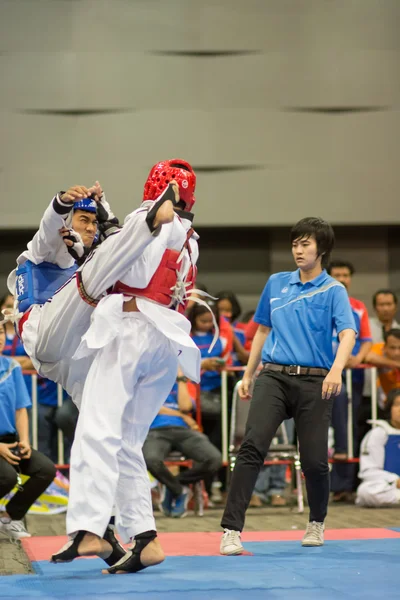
(379, 467)
(53, 331)
(135, 361)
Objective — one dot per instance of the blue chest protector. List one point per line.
(35, 284)
(392, 454)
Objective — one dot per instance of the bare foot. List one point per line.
(151, 555)
(93, 544)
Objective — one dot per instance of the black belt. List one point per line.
(295, 369)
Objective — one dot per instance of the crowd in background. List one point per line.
(179, 428)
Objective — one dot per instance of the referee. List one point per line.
(297, 314)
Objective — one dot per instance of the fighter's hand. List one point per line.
(75, 193)
(73, 241)
(332, 384)
(96, 192)
(175, 187)
(244, 387)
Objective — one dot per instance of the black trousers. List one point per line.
(278, 396)
(193, 445)
(41, 473)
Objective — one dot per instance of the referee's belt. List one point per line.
(295, 369)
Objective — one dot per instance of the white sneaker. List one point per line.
(231, 543)
(13, 529)
(314, 535)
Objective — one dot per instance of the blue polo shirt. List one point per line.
(13, 394)
(303, 317)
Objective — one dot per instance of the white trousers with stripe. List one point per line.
(128, 382)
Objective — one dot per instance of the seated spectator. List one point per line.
(16, 454)
(385, 305)
(210, 384)
(48, 418)
(230, 309)
(175, 429)
(386, 356)
(380, 459)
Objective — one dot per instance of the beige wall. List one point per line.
(292, 104)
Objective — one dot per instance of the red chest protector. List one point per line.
(166, 287)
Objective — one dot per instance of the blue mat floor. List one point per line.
(341, 570)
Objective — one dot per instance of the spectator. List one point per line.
(175, 429)
(191, 303)
(343, 476)
(380, 459)
(16, 454)
(386, 356)
(385, 305)
(211, 365)
(48, 418)
(230, 309)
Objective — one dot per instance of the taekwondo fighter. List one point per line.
(137, 338)
(53, 320)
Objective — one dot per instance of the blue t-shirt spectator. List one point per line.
(13, 394)
(46, 389)
(169, 420)
(210, 380)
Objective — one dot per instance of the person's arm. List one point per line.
(47, 245)
(22, 426)
(377, 360)
(263, 318)
(242, 353)
(343, 322)
(185, 401)
(365, 339)
(357, 359)
(23, 402)
(332, 383)
(254, 361)
(24, 362)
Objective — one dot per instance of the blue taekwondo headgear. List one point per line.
(86, 204)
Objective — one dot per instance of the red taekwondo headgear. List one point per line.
(163, 173)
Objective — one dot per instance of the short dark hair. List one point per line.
(199, 309)
(394, 332)
(383, 291)
(321, 231)
(341, 264)
(229, 295)
(391, 397)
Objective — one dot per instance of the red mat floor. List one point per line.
(207, 544)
